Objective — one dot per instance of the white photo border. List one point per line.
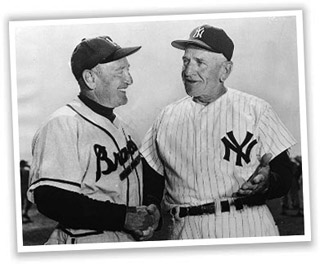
(298, 14)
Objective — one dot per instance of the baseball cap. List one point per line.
(210, 38)
(93, 51)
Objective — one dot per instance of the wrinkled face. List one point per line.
(112, 80)
(201, 71)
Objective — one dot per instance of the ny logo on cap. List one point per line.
(198, 33)
(111, 41)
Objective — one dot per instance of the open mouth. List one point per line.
(122, 89)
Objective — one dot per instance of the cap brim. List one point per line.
(182, 44)
(124, 52)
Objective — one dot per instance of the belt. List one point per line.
(84, 234)
(210, 208)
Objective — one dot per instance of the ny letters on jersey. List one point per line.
(230, 143)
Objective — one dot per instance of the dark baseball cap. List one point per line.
(210, 38)
(93, 51)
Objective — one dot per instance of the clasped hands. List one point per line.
(141, 221)
(258, 183)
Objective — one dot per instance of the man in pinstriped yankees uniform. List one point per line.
(221, 152)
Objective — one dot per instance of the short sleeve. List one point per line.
(56, 156)
(274, 136)
(149, 147)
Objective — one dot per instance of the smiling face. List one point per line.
(111, 81)
(203, 73)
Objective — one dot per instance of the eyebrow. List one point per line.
(121, 67)
(201, 59)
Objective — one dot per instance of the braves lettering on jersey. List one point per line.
(207, 152)
(83, 152)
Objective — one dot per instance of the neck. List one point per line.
(97, 108)
(207, 99)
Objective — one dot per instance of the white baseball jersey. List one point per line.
(84, 152)
(207, 152)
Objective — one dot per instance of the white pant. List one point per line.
(58, 236)
(249, 222)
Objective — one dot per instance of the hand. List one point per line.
(137, 218)
(139, 222)
(258, 181)
(154, 211)
(147, 234)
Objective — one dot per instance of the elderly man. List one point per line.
(86, 171)
(221, 152)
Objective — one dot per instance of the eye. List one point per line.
(185, 60)
(120, 70)
(200, 62)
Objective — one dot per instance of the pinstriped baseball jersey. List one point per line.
(207, 152)
(83, 152)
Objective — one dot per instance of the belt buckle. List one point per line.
(175, 211)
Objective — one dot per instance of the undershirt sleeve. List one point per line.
(281, 176)
(77, 211)
(153, 188)
(153, 185)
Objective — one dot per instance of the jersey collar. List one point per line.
(97, 108)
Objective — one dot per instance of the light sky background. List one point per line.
(265, 64)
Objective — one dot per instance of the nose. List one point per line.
(188, 69)
(128, 78)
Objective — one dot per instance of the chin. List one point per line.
(124, 101)
(190, 91)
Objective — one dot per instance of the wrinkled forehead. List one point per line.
(201, 53)
(121, 63)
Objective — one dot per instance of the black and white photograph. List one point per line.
(159, 131)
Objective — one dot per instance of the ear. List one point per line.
(226, 70)
(89, 79)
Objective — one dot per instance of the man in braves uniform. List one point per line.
(221, 152)
(86, 171)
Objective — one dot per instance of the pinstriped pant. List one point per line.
(255, 221)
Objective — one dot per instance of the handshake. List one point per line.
(141, 221)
